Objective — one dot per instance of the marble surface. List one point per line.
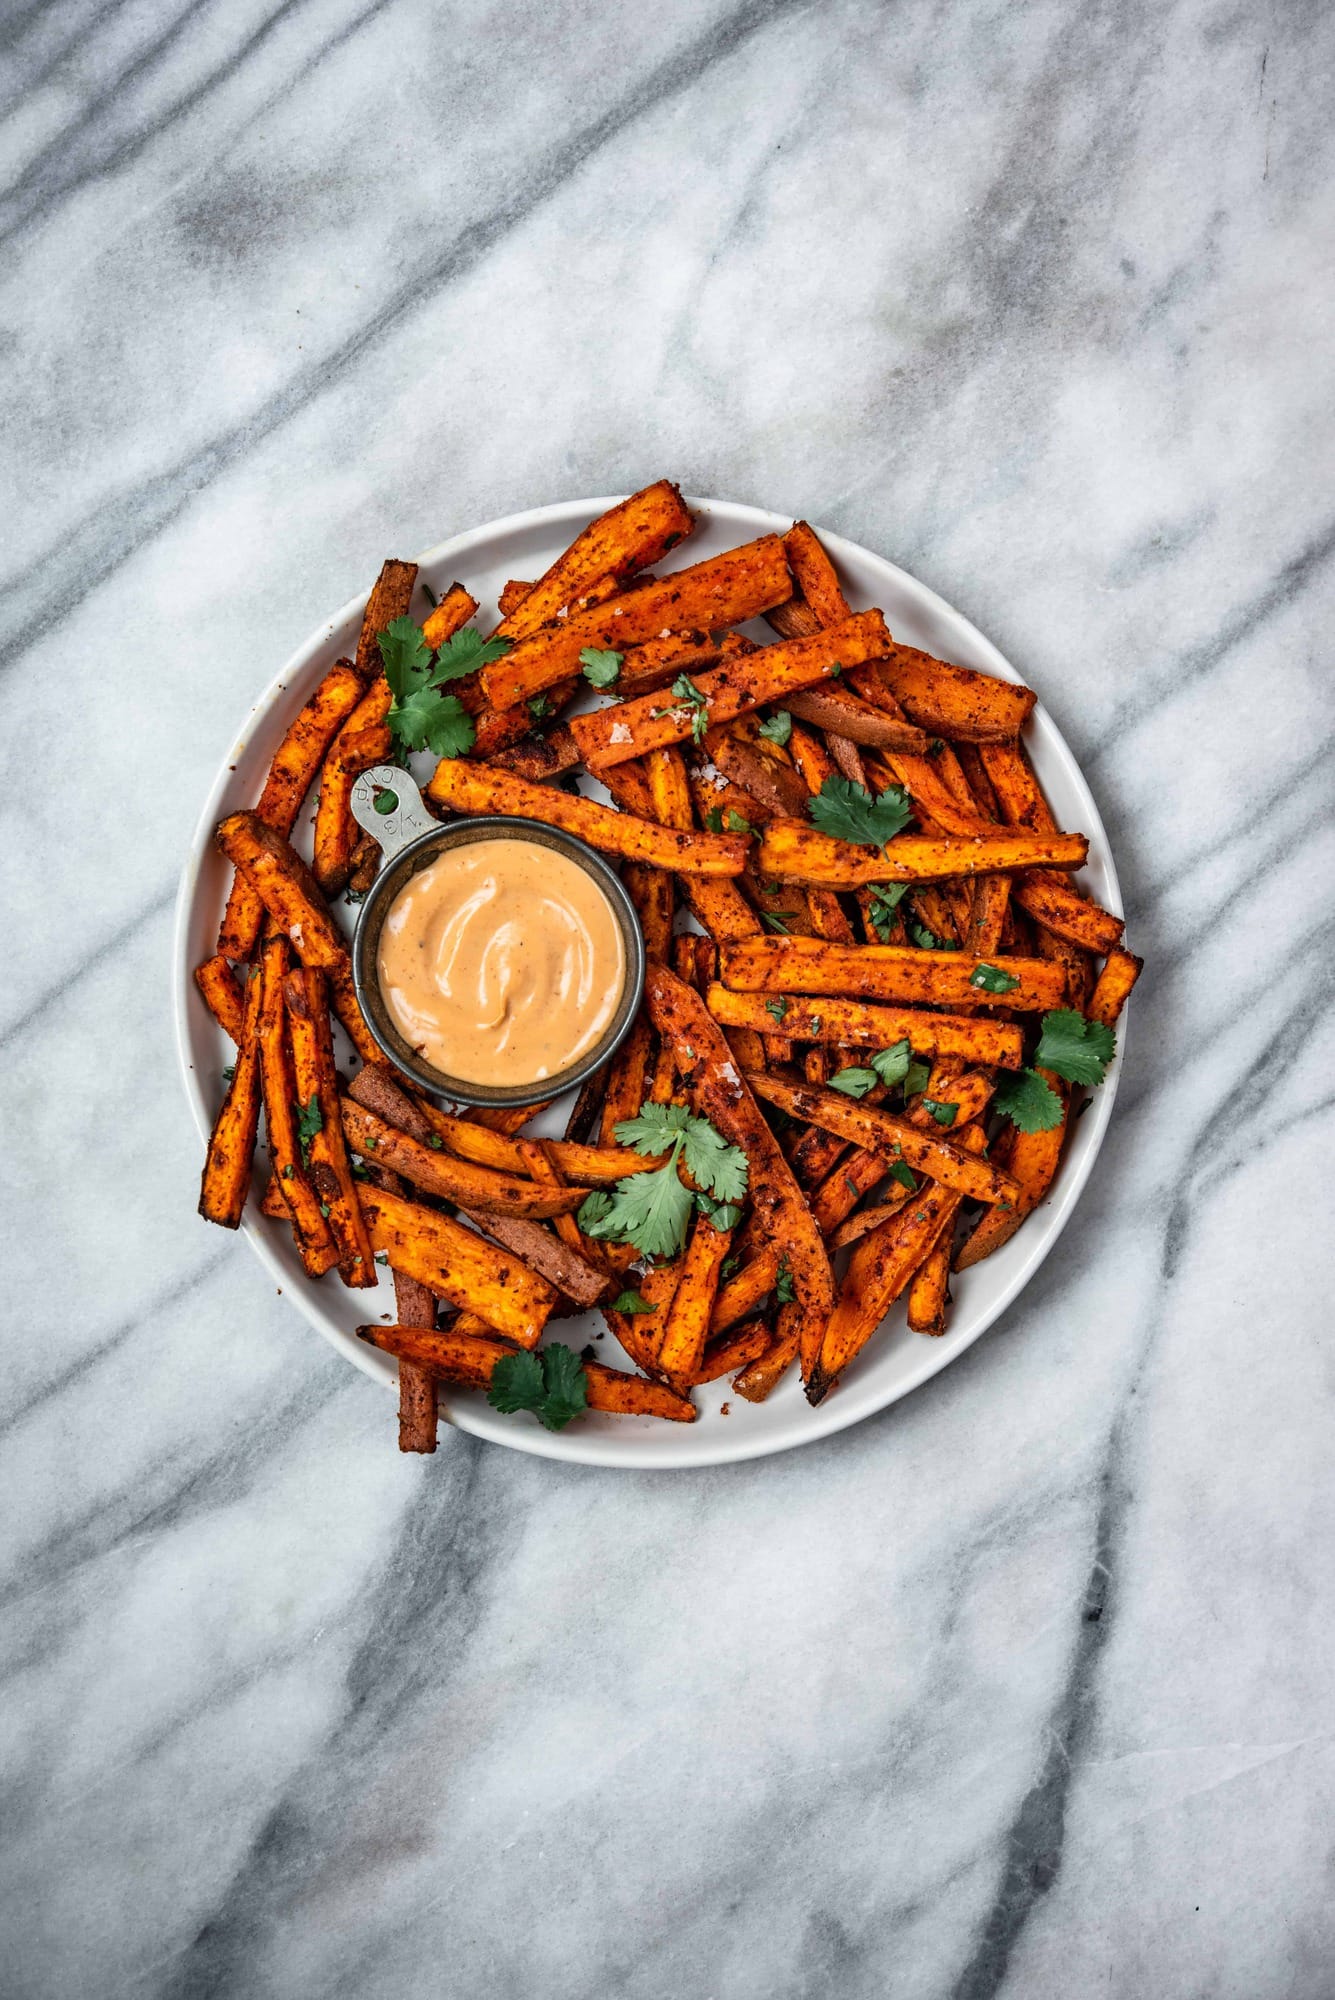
(1024, 1688)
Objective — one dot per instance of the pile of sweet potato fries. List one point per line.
(856, 906)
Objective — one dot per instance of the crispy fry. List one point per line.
(682, 1347)
(632, 728)
(1033, 1161)
(880, 1267)
(798, 853)
(543, 753)
(456, 1180)
(285, 886)
(669, 787)
(640, 1333)
(378, 1088)
(450, 615)
(629, 536)
(650, 889)
(660, 660)
(928, 1034)
(546, 1254)
(418, 1414)
(482, 788)
(305, 997)
(458, 1265)
(1115, 981)
(814, 573)
(512, 595)
(886, 972)
(876, 1131)
(225, 1182)
(221, 992)
(626, 1081)
(616, 1394)
(363, 740)
(857, 1226)
(735, 1350)
(954, 701)
(295, 764)
(760, 767)
(1052, 902)
(468, 1359)
(840, 709)
(315, 1241)
(779, 1212)
(837, 1196)
(743, 1292)
(929, 1292)
(723, 591)
(391, 597)
(760, 1378)
(343, 1000)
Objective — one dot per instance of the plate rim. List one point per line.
(838, 1412)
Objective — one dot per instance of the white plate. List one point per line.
(895, 1361)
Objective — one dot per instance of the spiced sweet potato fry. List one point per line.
(226, 1178)
(890, 972)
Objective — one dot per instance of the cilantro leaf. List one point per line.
(601, 667)
(310, 1120)
(924, 939)
(723, 1214)
(1075, 1048)
(464, 654)
(657, 1128)
(944, 1114)
(847, 811)
(915, 1078)
(652, 1211)
(779, 727)
(566, 1385)
(778, 1008)
(551, 1383)
(405, 655)
(431, 721)
(1028, 1101)
(539, 705)
(712, 1163)
(854, 1082)
(630, 1303)
(900, 1171)
(593, 1212)
(735, 823)
(892, 1064)
(714, 819)
(684, 689)
(991, 979)
(785, 1291)
(516, 1383)
(886, 898)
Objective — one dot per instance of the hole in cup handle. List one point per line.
(386, 802)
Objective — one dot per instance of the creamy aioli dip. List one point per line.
(502, 962)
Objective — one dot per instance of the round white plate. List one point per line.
(895, 1361)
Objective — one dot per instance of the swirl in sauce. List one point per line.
(501, 962)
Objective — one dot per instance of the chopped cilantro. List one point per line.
(1028, 1100)
(1075, 1048)
(885, 900)
(601, 667)
(847, 811)
(550, 1382)
(779, 727)
(991, 979)
(854, 1082)
(778, 1007)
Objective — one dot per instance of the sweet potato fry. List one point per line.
(837, 1196)
(1033, 1162)
(760, 1378)
(458, 1265)
(225, 1182)
(682, 1347)
(929, 1292)
(285, 886)
(853, 1021)
(798, 853)
(616, 1394)
(660, 660)
(630, 536)
(512, 595)
(295, 764)
(546, 1254)
(1114, 985)
(449, 616)
(221, 992)
(954, 701)
(760, 767)
(1060, 908)
(540, 755)
(735, 1350)
(391, 597)
(886, 972)
(363, 740)
(418, 1414)
(720, 907)
(314, 1239)
(743, 1292)
(456, 1180)
(735, 687)
(305, 998)
(779, 1212)
(481, 788)
(814, 574)
(640, 1333)
(343, 1000)
(857, 1226)
(876, 1131)
(841, 710)
(880, 1267)
(378, 1088)
(650, 889)
(725, 590)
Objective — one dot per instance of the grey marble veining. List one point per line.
(1023, 1689)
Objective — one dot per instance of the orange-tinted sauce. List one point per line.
(501, 962)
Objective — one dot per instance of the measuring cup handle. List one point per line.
(386, 802)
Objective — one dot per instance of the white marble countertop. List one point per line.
(1024, 1688)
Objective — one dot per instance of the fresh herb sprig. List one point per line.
(549, 1381)
(847, 811)
(652, 1210)
(421, 717)
(1069, 1046)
